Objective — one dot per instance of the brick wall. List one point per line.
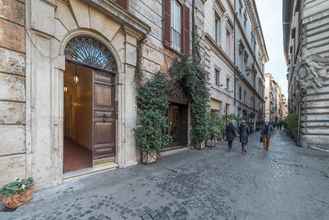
(12, 90)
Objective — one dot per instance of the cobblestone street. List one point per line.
(286, 183)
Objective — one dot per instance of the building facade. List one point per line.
(68, 81)
(250, 58)
(234, 59)
(275, 101)
(68, 73)
(306, 30)
(219, 55)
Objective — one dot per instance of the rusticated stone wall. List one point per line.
(12, 90)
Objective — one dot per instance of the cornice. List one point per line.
(245, 38)
(120, 15)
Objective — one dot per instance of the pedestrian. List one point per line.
(266, 135)
(243, 130)
(230, 134)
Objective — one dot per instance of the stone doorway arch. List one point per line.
(90, 106)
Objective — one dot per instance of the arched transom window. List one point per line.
(91, 52)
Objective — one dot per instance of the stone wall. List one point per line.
(315, 53)
(12, 90)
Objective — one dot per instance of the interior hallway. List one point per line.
(76, 157)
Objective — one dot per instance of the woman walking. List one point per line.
(243, 130)
(230, 135)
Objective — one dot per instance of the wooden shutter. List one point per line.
(123, 3)
(166, 23)
(186, 30)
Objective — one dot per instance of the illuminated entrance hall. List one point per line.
(89, 105)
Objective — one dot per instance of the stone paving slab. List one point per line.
(286, 183)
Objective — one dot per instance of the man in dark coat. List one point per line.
(243, 130)
(266, 135)
(230, 134)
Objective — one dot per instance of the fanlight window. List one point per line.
(89, 51)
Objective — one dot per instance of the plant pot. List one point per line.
(149, 157)
(17, 200)
(200, 146)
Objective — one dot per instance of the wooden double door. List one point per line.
(96, 121)
(178, 124)
(104, 116)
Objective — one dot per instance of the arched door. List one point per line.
(96, 60)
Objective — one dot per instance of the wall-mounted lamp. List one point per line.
(65, 89)
(76, 77)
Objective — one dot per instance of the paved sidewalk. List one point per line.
(286, 183)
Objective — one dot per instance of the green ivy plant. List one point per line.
(232, 118)
(16, 187)
(292, 124)
(193, 80)
(216, 126)
(152, 101)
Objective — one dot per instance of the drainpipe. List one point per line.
(300, 103)
(234, 52)
(298, 128)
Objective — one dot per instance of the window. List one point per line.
(176, 25)
(245, 60)
(245, 20)
(217, 77)
(253, 41)
(87, 50)
(240, 93)
(244, 96)
(123, 3)
(228, 41)
(240, 7)
(227, 83)
(218, 27)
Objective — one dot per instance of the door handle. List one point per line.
(104, 117)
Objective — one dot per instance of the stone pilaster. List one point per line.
(12, 90)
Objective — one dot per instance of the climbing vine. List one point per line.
(152, 101)
(193, 80)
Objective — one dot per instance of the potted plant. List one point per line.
(151, 135)
(216, 129)
(17, 193)
(152, 127)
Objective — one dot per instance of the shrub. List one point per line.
(292, 124)
(216, 126)
(152, 101)
(16, 187)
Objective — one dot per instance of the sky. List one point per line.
(270, 13)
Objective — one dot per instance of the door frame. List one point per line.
(115, 74)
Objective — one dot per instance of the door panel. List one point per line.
(178, 124)
(104, 116)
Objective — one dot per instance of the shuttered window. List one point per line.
(218, 29)
(217, 77)
(176, 27)
(123, 3)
